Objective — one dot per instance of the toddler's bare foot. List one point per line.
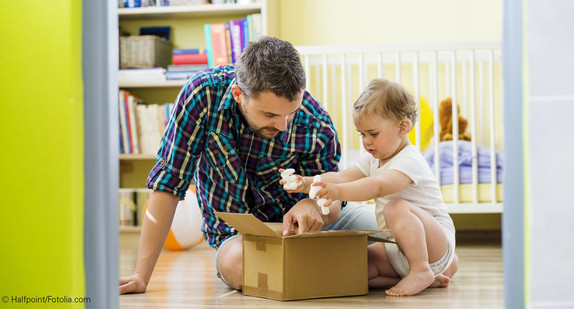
(440, 281)
(412, 283)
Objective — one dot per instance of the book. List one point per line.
(219, 44)
(132, 120)
(250, 27)
(141, 75)
(127, 207)
(208, 44)
(237, 46)
(144, 130)
(180, 75)
(245, 31)
(141, 199)
(162, 31)
(179, 51)
(123, 124)
(257, 26)
(120, 134)
(228, 41)
(152, 119)
(186, 67)
(190, 59)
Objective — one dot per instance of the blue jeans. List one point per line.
(355, 217)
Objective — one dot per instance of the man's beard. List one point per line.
(264, 132)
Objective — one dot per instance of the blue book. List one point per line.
(245, 24)
(162, 32)
(209, 46)
(182, 51)
(179, 75)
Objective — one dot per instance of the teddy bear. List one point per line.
(445, 118)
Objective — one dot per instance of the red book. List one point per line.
(189, 59)
(219, 44)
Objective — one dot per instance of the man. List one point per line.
(231, 131)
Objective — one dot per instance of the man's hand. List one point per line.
(304, 217)
(300, 181)
(132, 284)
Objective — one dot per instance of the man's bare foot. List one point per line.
(412, 283)
(440, 281)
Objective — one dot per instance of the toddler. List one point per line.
(409, 205)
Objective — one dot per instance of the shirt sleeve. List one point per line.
(407, 163)
(182, 141)
(364, 164)
(319, 129)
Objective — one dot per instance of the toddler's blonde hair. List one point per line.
(387, 99)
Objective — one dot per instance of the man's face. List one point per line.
(267, 114)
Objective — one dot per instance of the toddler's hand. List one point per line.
(327, 192)
(313, 193)
(291, 182)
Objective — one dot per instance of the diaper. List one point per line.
(401, 264)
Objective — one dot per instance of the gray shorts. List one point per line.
(353, 217)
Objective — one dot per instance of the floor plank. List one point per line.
(186, 279)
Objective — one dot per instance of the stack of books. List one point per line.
(141, 125)
(132, 203)
(187, 62)
(150, 75)
(226, 41)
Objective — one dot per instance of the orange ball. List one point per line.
(185, 231)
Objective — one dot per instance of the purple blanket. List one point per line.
(464, 162)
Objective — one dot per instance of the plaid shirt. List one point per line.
(235, 170)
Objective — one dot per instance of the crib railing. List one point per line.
(469, 73)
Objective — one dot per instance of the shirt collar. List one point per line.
(227, 99)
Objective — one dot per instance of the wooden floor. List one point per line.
(187, 280)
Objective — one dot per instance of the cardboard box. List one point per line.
(312, 265)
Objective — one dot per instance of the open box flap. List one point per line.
(332, 233)
(247, 224)
(379, 239)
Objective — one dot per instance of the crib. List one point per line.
(469, 172)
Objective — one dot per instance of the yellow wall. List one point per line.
(341, 22)
(41, 129)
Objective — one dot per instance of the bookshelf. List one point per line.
(187, 31)
(154, 84)
(190, 11)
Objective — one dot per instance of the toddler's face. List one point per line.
(380, 136)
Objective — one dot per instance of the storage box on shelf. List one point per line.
(145, 51)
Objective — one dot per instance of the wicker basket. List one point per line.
(145, 51)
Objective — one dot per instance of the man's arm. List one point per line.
(156, 224)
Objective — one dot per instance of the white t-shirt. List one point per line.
(423, 191)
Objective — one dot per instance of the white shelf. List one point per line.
(202, 11)
(153, 84)
(475, 208)
(130, 229)
(137, 156)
